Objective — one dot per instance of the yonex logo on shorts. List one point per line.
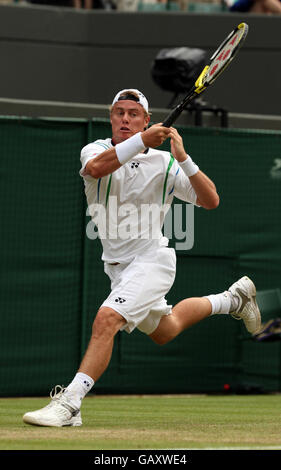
(120, 300)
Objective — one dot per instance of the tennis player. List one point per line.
(124, 174)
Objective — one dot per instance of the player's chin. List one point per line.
(124, 135)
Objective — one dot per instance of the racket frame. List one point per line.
(202, 81)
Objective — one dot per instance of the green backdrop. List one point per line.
(52, 279)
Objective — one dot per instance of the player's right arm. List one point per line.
(102, 164)
(107, 162)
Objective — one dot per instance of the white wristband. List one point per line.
(189, 167)
(129, 148)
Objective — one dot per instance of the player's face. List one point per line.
(127, 118)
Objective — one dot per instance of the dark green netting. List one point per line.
(52, 279)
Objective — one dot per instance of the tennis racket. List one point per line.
(219, 61)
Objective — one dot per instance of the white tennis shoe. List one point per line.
(59, 412)
(247, 309)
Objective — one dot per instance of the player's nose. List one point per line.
(125, 117)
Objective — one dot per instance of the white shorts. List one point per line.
(138, 289)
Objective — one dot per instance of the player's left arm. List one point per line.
(205, 189)
(203, 186)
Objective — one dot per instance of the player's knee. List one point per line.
(107, 322)
(161, 340)
(166, 331)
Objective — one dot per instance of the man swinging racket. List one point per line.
(127, 170)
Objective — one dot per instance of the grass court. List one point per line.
(250, 422)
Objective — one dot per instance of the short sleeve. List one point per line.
(89, 152)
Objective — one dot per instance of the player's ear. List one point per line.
(146, 122)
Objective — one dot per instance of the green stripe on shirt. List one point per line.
(108, 190)
(102, 144)
(166, 177)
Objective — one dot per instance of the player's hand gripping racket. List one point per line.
(217, 64)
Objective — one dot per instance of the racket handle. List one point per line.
(171, 118)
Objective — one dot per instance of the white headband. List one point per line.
(142, 99)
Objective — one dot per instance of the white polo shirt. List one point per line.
(129, 205)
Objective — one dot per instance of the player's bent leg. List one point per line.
(64, 408)
(239, 301)
(184, 314)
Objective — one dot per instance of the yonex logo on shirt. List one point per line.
(135, 164)
(120, 300)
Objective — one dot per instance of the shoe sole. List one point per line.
(37, 422)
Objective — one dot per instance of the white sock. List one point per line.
(223, 303)
(78, 388)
